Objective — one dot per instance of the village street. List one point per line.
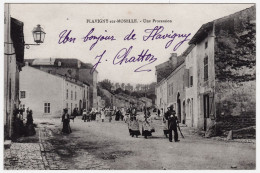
(97, 145)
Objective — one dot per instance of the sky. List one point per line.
(55, 18)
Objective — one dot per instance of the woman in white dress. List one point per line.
(102, 115)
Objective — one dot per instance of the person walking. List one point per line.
(118, 114)
(66, 122)
(84, 115)
(102, 115)
(134, 126)
(172, 124)
(29, 124)
(146, 127)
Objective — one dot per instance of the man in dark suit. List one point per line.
(172, 124)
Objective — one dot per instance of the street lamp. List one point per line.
(38, 34)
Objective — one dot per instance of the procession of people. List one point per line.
(138, 122)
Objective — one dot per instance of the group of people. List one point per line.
(132, 118)
(170, 123)
(89, 115)
(107, 112)
(23, 127)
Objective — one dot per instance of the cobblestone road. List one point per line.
(43, 156)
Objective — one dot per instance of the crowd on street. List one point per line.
(138, 123)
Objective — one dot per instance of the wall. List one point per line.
(161, 95)
(81, 74)
(85, 75)
(40, 88)
(175, 87)
(206, 87)
(11, 77)
(73, 102)
(192, 110)
(235, 59)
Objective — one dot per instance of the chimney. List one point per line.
(173, 59)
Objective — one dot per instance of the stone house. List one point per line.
(13, 63)
(224, 64)
(47, 94)
(216, 85)
(161, 95)
(176, 88)
(73, 68)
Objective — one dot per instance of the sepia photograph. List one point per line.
(98, 86)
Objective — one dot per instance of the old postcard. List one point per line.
(129, 86)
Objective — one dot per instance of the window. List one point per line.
(47, 108)
(206, 45)
(75, 95)
(22, 94)
(191, 81)
(76, 105)
(67, 105)
(67, 94)
(206, 68)
(172, 88)
(71, 95)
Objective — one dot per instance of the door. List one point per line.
(206, 110)
(71, 109)
(179, 107)
(184, 113)
(80, 107)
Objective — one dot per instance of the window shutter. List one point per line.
(186, 78)
(211, 106)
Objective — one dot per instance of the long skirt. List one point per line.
(146, 129)
(134, 126)
(135, 132)
(146, 133)
(66, 127)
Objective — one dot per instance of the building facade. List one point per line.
(215, 86)
(13, 62)
(161, 95)
(47, 94)
(72, 68)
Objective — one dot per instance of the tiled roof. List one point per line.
(65, 62)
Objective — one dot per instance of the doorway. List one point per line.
(80, 107)
(179, 107)
(206, 110)
(184, 113)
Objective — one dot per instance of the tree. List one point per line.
(135, 94)
(106, 84)
(127, 92)
(119, 90)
